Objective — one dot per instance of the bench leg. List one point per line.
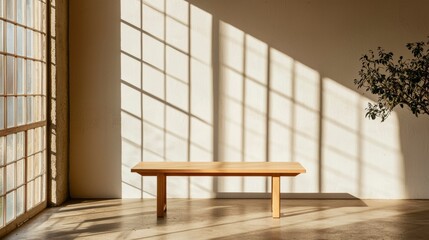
(275, 196)
(161, 196)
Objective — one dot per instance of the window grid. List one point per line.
(23, 60)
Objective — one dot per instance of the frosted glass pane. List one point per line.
(34, 45)
(35, 109)
(38, 139)
(20, 11)
(36, 77)
(35, 140)
(37, 190)
(37, 15)
(20, 172)
(39, 109)
(43, 82)
(10, 72)
(29, 76)
(19, 145)
(2, 70)
(10, 176)
(2, 152)
(20, 108)
(43, 108)
(37, 39)
(43, 138)
(10, 111)
(29, 108)
(2, 112)
(30, 168)
(43, 52)
(43, 17)
(10, 206)
(30, 134)
(20, 43)
(1, 15)
(1, 211)
(29, 43)
(20, 76)
(44, 188)
(10, 38)
(1, 31)
(30, 195)
(10, 14)
(36, 164)
(29, 6)
(10, 146)
(43, 161)
(1, 185)
(20, 201)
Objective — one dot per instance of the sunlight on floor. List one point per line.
(231, 219)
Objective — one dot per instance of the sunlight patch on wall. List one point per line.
(166, 93)
(306, 126)
(281, 107)
(311, 120)
(271, 108)
(243, 71)
(201, 95)
(342, 114)
(382, 159)
(360, 156)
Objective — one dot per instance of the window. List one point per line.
(22, 108)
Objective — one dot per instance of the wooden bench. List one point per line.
(275, 170)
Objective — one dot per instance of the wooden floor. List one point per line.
(231, 219)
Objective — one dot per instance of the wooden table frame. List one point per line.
(162, 170)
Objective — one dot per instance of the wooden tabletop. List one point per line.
(219, 168)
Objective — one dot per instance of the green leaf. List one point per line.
(405, 81)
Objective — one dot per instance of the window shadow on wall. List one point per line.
(195, 87)
(167, 93)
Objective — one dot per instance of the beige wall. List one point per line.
(94, 93)
(303, 55)
(365, 159)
